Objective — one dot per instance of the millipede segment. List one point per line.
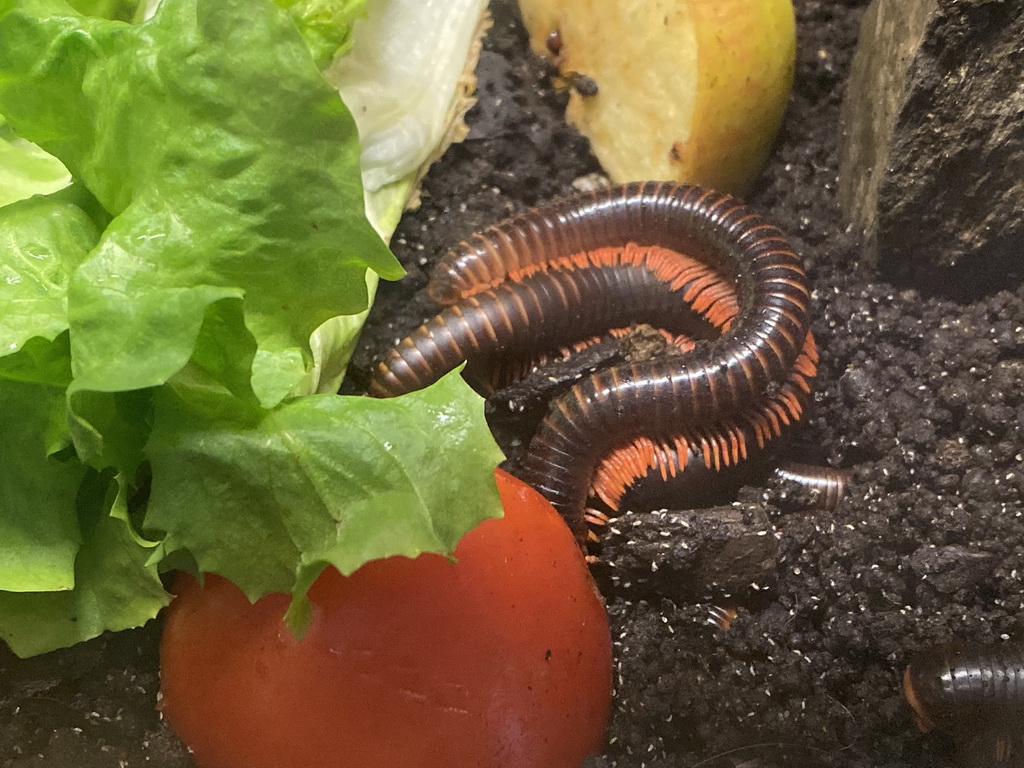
(725, 444)
(975, 693)
(724, 283)
(576, 297)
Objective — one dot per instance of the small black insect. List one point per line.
(554, 42)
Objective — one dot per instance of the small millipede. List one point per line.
(695, 262)
(722, 616)
(974, 692)
(826, 484)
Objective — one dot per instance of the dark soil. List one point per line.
(920, 393)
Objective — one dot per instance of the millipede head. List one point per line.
(912, 693)
(443, 290)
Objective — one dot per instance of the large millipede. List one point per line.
(974, 692)
(683, 258)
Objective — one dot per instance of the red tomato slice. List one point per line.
(501, 660)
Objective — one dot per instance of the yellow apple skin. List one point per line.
(690, 90)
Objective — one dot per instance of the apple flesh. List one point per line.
(689, 90)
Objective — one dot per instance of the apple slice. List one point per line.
(691, 90)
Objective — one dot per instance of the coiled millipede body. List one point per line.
(723, 282)
(975, 692)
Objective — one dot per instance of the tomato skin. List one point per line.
(501, 660)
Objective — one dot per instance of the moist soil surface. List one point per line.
(920, 394)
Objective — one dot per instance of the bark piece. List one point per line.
(694, 554)
(932, 151)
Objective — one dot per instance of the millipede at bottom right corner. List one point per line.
(975, 693)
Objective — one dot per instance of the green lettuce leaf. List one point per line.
(42, 242)
(210, 264)
(122, 10)
(39, 534)
(115, 585)
(326, 25)
(27, 170)
(211, 137)
(263, 496)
